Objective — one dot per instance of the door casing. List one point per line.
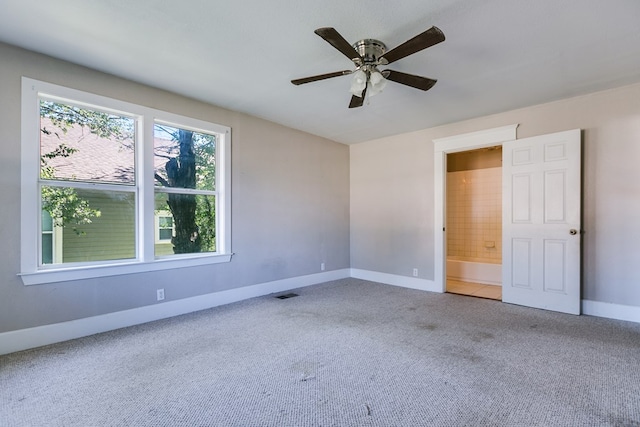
(442, 147)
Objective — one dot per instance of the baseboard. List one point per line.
(590, 308)
(24, 339)
(611, 311)
(49, 334)
(396, 280)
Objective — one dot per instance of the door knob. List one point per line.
(573, 231)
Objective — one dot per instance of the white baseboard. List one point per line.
(611, 311)
(395, 280)
(24, 339)
(590, 308)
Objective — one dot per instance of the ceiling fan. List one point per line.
(367, 55)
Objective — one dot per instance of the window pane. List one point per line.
(47, 222)
(47, 248)
(80, 144)
(96, 225)
(184, 158)
(194, 223)
(165, 234)
(165, 222)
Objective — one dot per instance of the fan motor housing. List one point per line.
(370, 50)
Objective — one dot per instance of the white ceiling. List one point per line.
(241, 54)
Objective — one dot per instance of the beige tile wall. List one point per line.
(474, 214)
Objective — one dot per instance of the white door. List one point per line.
(541, 222)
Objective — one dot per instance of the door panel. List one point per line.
(555, 197)
(541, 205)
(521, 249)
(521, 196)
(554, 261)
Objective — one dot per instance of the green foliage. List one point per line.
(189, 146)
(206, 221)
(191, 166)
(63, 204)
(62, 150)
(105, 125)
(67, 208)
(204, 148)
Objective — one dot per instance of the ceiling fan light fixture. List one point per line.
(367, 55)
(377, 83)
(359, 83)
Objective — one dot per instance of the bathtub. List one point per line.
(476, 270)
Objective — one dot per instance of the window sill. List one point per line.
(88, 272)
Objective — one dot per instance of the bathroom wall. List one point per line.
(474, 205)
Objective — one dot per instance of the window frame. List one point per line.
(31, 272)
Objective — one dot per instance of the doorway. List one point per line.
(442, 148)
(474, 223)
(541, 213)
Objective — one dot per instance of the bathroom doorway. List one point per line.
(442, 147)
(474, 222)
(541, 210)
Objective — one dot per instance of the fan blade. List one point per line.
(334, 38)
(357, 101)
(320, 77)
(422, 83)
(422, 41)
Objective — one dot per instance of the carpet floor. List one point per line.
(343, 353)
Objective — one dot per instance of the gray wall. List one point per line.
(299, 200)
(290, 204)
(392, 183)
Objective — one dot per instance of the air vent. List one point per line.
(285, 296)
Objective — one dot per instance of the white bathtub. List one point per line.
(476, 270)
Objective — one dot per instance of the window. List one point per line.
(111, 187)
(164, 233)
(51, 247)
(185, 182)
(164, 227)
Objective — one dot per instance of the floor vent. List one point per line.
(285, 296)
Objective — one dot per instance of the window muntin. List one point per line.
(130, 193)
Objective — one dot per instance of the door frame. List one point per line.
(442, 147)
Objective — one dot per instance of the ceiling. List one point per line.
(498, 54)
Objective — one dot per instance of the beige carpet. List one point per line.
(344, 353)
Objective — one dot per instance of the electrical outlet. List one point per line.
(415, 272)
(160, 294)
(322, 266)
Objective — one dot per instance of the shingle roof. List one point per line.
(95, 158)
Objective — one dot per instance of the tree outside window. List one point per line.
(88, 178)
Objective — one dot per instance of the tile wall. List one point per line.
(474, 214)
